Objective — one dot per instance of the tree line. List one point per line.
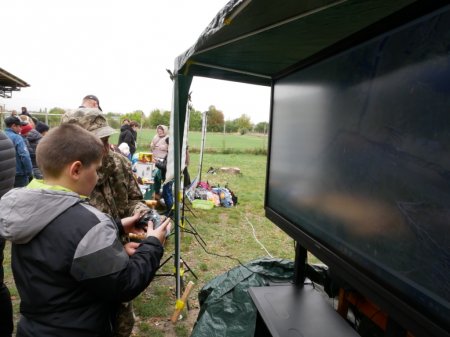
(215, 118)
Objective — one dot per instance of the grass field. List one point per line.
(216, 141)
(232, 232)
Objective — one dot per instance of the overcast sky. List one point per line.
(117, 50)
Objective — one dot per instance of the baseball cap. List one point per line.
(94, 98)
(13, 120)
(90, 119)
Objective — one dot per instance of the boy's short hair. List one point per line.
(64, 145)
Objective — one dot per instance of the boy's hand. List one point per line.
(129, 223)
(160, 232)
(130, 247)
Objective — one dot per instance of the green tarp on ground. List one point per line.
(226, 309)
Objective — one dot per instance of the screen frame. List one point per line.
(390, 301)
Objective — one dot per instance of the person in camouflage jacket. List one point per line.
(117, 192)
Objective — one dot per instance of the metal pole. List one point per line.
(176, 147)
(202, 147)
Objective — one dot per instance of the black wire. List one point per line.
(219, 255)
(171, 215)
(241, 264)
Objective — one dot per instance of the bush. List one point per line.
(243, 131)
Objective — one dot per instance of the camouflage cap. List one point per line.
(92, 120)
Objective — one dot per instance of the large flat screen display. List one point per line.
(359, 162)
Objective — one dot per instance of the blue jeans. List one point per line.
(168, 195)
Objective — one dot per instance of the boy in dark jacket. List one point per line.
(70, 267)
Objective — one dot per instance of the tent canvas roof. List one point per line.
(255, 41)
(258, 41)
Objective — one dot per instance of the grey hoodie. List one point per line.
(25, 212)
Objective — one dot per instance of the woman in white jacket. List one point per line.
(158, 145)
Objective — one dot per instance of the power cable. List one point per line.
(254, 235)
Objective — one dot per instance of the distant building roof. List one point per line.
(10, 83)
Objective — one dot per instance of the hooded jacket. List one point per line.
(127, 136)
(158, 145)
(7, 176)
(7, 164)
(33, 138)
(70, 267)
(23, 160)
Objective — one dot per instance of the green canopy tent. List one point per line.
(258, 41)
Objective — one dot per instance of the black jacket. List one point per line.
(7, 164)
(33, 138)
(70, 267)
(7, 176)
(128, 135)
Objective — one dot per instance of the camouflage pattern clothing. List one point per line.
(117, 192)
(125, 320)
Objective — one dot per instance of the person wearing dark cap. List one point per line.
(24, 167)
(90, 101)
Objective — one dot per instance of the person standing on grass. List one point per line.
(125, 123)
(134, 129)
(70, 268)
(24, 168)
(160, 148)
(26, 113)
(33, 138)
(7, 177)
(128, 135)
(158, 145)
(116, 193)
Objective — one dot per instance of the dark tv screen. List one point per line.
(359, 160)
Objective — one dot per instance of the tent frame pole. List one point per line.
(202, 146)
(177, 178)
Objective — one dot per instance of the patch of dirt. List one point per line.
(187, 318)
